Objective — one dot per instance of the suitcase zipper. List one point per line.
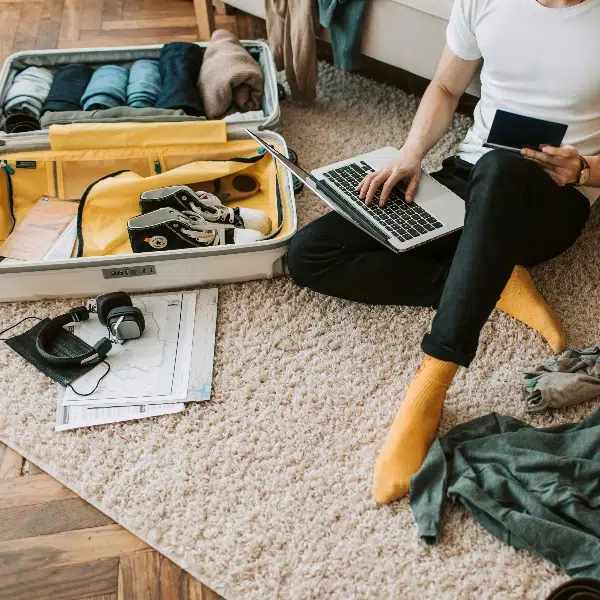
(26, 141)
(8, 171)
(7, 167)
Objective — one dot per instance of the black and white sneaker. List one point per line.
(169, 229)
(205, 205)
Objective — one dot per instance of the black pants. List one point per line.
(515, 215)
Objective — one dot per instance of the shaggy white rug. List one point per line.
(265, 491)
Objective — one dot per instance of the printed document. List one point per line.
(79, 414)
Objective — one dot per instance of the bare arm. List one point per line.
(439, 102)
(431, 123)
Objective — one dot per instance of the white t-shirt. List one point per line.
(538, 61)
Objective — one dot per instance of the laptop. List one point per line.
(399, 226)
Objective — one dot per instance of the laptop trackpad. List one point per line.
(429, 188)
(442, 203)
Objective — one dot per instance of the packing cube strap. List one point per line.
(94, 136)
(280, 217)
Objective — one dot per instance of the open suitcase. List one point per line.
(107, 165)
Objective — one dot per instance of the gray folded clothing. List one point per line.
(119, 114)
(29, 91)
(571, 378)
(229, 77)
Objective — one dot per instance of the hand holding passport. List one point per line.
(514, 132)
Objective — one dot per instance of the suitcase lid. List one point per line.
(37, 140)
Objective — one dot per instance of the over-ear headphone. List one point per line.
(115, 311)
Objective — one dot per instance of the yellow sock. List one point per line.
(413, 430)
(521, 300)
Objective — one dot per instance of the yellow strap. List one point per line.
(87, 136)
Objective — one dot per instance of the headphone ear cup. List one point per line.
(128, 314)
(140, 319)
(138, 315)
(108, 302)
(103, 347)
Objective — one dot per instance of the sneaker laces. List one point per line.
(208, 198)
(212, 234)
(210, 209)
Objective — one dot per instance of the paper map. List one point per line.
(195, 382)
(145, 367)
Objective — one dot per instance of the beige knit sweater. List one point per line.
(229, 77)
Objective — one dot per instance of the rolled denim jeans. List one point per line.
(144, 84)
(107, 88)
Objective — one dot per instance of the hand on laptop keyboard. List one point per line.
(399, 219)
(403, 171)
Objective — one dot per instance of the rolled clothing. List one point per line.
(29, 91)
(107, 88)
(580, 588)
(144, 84)
(229, 76)
(68, 87)
(571, 378)
(21, 122)
(120, 114)
(179, 67)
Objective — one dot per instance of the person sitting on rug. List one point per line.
(540, 59)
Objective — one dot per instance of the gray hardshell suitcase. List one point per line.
(90, 276)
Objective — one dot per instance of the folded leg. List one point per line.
(333, 257)
(516, 215)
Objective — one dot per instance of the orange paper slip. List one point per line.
(38, 231)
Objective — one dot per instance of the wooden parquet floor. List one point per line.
(55, 546)
(45, 24)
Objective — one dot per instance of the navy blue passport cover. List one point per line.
(514, 132)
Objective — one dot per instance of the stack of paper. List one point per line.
(48, 232)
(62, 249)
(156, 374)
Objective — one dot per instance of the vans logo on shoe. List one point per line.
(158, 242)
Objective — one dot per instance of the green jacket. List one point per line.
(537, 489)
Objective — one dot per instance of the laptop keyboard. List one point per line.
(404, 221)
